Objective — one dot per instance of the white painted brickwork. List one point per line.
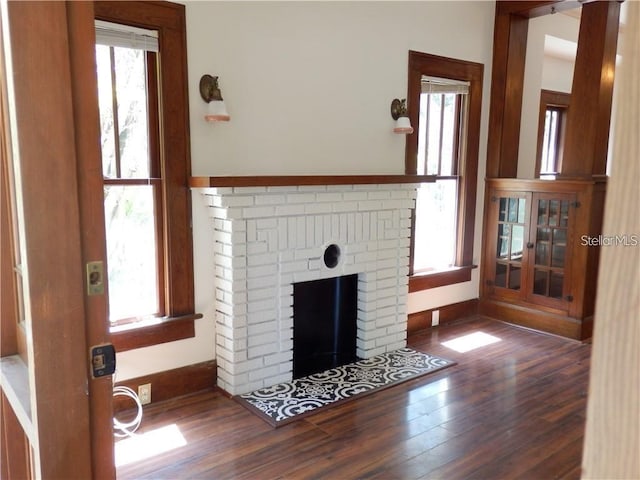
(268, 238)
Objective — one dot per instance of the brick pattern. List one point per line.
(268, 238)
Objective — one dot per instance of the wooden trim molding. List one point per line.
(171, 383)
(449, 313)
(536, 318)
(169, 330)
(419, 282)
(295, 180)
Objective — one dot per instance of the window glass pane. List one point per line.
(433, 135)
(105, 104)
(131, 92)
(448, 137)
(131, 251)
(550, 141)
(422, 133)
(435, 229)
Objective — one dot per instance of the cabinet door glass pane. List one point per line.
(564, 214)
(514, 277)
(559, 236)
(555, 285)
(542, 212)
(557, 256)
(504, 232)
(502, 213)
(554, 212)
(513, 210)
(517, 242)
(542, 254)
(521, 210)
(510, 242)
(543, 234)
(501, 275)
(540, 282)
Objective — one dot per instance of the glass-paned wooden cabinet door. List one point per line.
(549, 243)
(509, 217)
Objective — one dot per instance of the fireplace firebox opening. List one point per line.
(324, 324)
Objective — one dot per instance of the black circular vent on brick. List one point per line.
(332, 255)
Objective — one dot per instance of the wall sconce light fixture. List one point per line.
(399, 114)
(210, 93)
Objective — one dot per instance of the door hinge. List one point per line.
(569, 298)
(575, 204)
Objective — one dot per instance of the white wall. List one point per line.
(308, 86)
(542, 72)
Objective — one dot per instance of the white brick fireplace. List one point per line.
(268, 238)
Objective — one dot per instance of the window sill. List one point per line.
(162, 330)
(426, 281)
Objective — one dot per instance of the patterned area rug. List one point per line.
(290, 401)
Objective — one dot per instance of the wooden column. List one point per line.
(587, 134)
(507, 79)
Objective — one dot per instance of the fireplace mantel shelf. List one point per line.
(296, 180)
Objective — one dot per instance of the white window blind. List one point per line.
(444, 85)
(116, 35)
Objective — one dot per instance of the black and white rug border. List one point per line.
(290, 401)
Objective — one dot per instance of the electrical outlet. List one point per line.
(435, 318)
(144, 393)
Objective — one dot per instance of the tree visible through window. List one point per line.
(131, 171)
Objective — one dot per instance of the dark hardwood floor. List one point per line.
(514, 409)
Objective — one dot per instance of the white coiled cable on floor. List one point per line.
(122, 429)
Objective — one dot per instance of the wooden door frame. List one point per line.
(55, 124)
(81, 27)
